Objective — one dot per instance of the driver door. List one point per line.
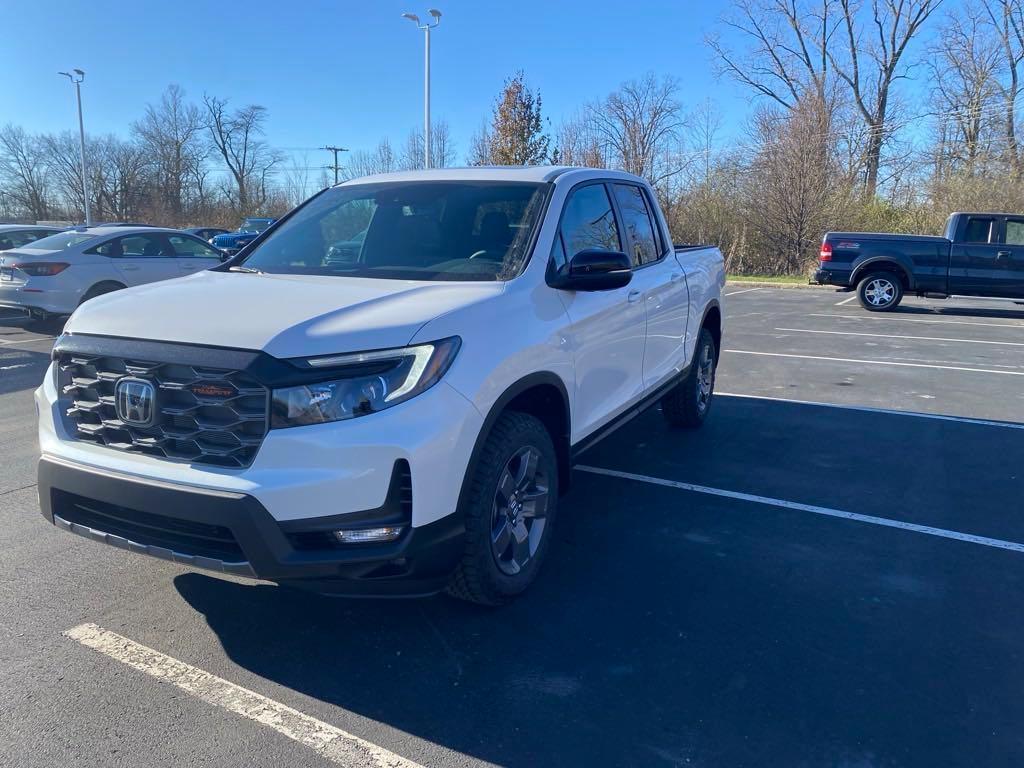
(607, 329)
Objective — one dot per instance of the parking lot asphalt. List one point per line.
(826, 574)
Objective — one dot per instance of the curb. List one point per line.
(769, 284)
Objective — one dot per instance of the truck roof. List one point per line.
(529, 173)
(982, 213)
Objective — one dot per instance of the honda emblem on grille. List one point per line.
(135, 400)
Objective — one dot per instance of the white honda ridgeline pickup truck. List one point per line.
(384, 392)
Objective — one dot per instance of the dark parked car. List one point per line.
(232, 242)
(980, 254)
(206, 233)
(20, 235)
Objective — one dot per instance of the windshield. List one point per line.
(60, 241)
(428, 230)
(255, 225)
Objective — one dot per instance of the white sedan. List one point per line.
(53, 275)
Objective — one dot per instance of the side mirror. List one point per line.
(593, 270)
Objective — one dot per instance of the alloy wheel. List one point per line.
(880, 292)
(705, 378)
(519, 513)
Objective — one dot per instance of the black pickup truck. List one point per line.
(980, 254)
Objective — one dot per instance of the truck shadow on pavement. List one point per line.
(672, 627)
(958, 310)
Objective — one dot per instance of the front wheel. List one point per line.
(510, 512)
(688, 404)
(880, 292)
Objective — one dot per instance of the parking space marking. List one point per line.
(874, 362)
(883, 411)
(5, 343)
(795, 505)
(330, 742)
(745, 290)
(846, 301)
(915, 320)
(893, 336)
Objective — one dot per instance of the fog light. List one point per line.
(367, 535)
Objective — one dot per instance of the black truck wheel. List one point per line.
(688, 404)
(880, 291)
(510, 512)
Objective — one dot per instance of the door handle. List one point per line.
(129, 267)
(675, 277)
(633, 295)
(1003, 254)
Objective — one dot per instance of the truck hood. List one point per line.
(283, 315)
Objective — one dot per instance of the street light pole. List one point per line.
(77, 79)
(436, 14)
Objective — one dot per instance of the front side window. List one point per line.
(978, 230)
(429, 230)
(189, 246)
(588, 222)
(637, 221)
(1015, 232)
(135, 246)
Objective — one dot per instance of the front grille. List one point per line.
(182, 536)
(204, 415)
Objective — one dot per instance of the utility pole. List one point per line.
(335, 166)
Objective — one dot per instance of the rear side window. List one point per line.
(588, 222)
(17, 238)
(1014, 232)
(637, 221)
(978, 230)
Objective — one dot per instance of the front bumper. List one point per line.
(233, 533)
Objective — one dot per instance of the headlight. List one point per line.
(366, 382)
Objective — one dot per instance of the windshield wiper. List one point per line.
(253, 270)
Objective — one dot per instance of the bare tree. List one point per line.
(442, 148)
(870, 67)
(578, 143)
(23, 172)
(237, 139)
(172, 134)
(1007, 18)
(639, 126)
(480, 146)
(785, 53)
(963, 64)
(788, 204)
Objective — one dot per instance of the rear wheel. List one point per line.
(688, 404)
(99, 289)
(880, 292)
(510, 512)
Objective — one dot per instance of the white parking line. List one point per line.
(746, 290)
(884, 411)
(846, 301)
(893, 336)
(5, 343)
(330, 742)
(875, 362)
(871, 519)
(915, 320)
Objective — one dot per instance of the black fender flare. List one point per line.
(863, 267)
(511, 392)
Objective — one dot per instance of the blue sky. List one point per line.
(347, 72)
